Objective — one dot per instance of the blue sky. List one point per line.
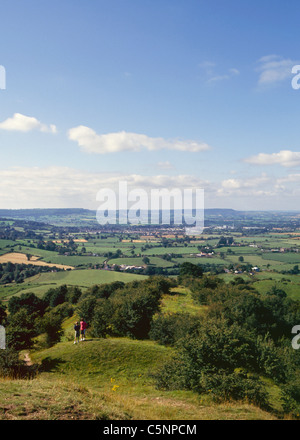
(160, 93)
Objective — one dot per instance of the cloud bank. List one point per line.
(285, 158)
(91, 142)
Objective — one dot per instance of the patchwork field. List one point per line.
(39, 284)
(19, 258)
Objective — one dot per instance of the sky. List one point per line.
(156, 93)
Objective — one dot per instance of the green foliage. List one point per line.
(86, 308)
(12, 367)
(51, 326)
(3, 314)
(202, 289)
(20, 330)
(187, 270)
(230, 346)
(208, 362)
(290, 398)
(169, 329)
(27, 301)
(10, 272)
(234, 386)
(104, 290)
(123, 310)
(133, 310)
(61, 294)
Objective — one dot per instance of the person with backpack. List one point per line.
(77, 332)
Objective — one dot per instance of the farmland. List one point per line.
(69, 241)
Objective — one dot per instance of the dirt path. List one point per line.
(27, 359)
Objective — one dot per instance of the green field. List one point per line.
(39, 284)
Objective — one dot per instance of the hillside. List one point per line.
(108, 379)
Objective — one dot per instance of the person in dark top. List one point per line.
(77, 332)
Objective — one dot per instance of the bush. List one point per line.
(103, 290)
(169, 329)
(290, 398)
(102, 316)
(50, 325)
(86, 308)
(272, 360)
(12, 367)
(28, 301)
(133, 312)
(127, 311)
(20, 331)
(234, 386)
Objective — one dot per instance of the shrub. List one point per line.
(168, 329)
(86, 308)
(12, 367)
(126, 312)
(234, 386)
(133, 311)
(50, 325)
(28, 301)
(53, 297)
(20, 331)
(104, 290)
(101, 324)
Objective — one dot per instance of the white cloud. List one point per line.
(64, 187)
(24, 123)
(209, 70)
(285, 158)
(252, 182)
(92, 142)
(274, 69)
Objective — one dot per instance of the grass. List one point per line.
(113, 380)
(19, 258)
(40, 283)
(292, 289)
(44, 399)
(180, 301)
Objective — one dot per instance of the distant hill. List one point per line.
(211, 216)
(24, 213)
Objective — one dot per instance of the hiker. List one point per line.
(83, 327)
(77, 332)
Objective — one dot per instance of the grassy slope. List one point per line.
(39, 284)
(111, 379)
(108, 379)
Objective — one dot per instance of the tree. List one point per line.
(190, 270)
(27, 301)
(20, 330)
(50, 324)
(3, 314)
